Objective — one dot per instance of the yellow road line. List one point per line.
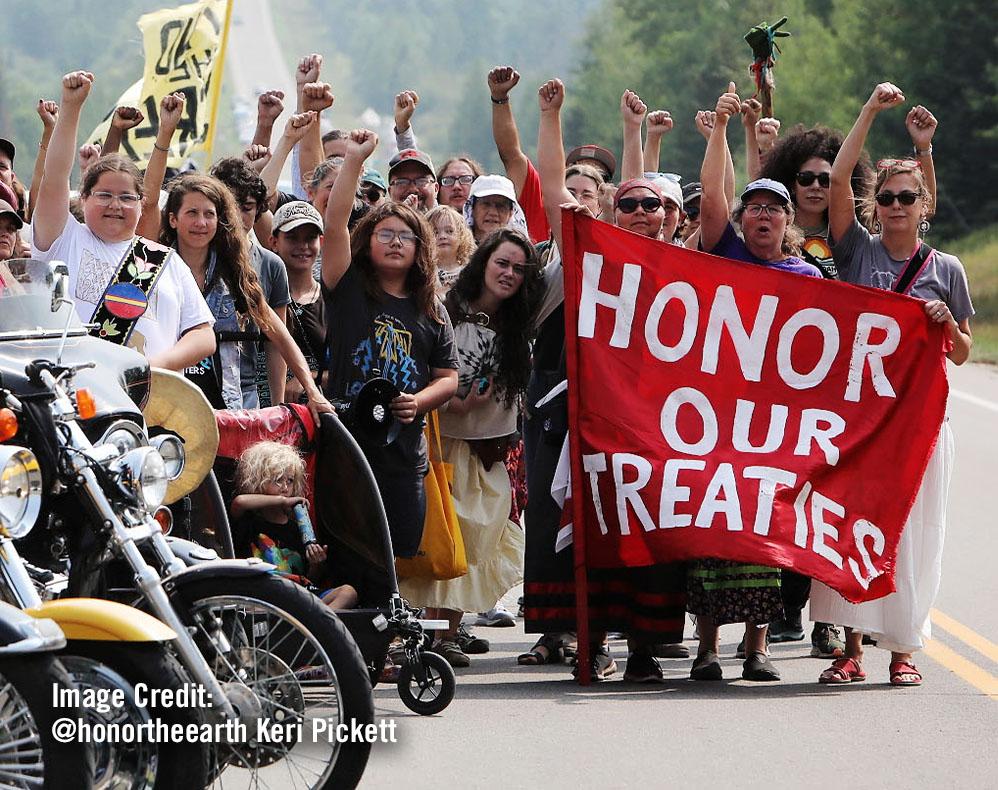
(960, 666)
(964, 634)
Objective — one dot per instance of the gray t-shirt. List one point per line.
(862, 260)
(274, 283)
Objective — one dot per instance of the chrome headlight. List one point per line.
(142, 473)
(123, 435)
(172, 450)
(20, 490)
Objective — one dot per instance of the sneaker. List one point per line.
(453, 654)
(674, 650)
(642, 667)
(472, 645)
(787, 629)
(602, 665)
(758, 667)
(826, 641)
(497, 617)
(707, 666)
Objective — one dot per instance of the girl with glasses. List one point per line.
(897, 218)
(380, 288)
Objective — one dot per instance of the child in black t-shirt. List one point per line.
(270, 481)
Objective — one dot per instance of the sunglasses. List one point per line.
(692, 212)
(905, 198)
(630, 205)
(905, 164)
(805, 178)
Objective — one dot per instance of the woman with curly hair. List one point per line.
(492, 305)
(802, 162)
(380, 286)
(201, 220)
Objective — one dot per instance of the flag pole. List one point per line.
(218, 71)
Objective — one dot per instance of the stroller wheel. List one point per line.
(428, 686)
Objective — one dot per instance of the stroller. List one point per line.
(348, 515)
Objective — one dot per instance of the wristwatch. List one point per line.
(926, 152)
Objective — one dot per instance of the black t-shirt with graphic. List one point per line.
(390, 335)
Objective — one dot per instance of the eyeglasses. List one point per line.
(630, 205)
(905, 198)
(769, 209)
(371, 194)
(388, 236)
(420, 182)
(906, 164)
(449, 181)
(805, 178)
(495, 202)
(127, 199)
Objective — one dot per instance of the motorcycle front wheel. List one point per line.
(30, 755)
(293, 672)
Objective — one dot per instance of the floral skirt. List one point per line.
(732, 592)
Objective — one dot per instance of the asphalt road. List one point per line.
(518, 727)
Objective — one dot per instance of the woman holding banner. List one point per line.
(894, 258)
(722, 591)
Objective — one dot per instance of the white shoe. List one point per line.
(497, 617)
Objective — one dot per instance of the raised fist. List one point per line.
(632, 109)
(551, 95)
(502, 79)
(308, 69)
(659, 123)
(126, 118)
(317, 96)
(171, 110)
(269, 105)
(48, 111)
(885, 96)
(405, 106)
(76, 87)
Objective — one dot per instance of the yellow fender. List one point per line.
(103, 621)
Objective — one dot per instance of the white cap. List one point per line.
(492, 185)
(296, 213)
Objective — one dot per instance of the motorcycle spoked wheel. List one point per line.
(29, 752)
(285, 658)
(179, 765)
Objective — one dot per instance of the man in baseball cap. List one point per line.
(766, 185)
(692, 192)
(372, 189)
(594, 155)
(410, 172)
(10, 224)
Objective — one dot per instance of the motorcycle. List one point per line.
(30, 676)
(261, 647)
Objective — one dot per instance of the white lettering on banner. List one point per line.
(821, 320)
(722, 497)
(673, 493)
(685, 293)
(750, 346)
(670, 412)
(744, 409)
(864, 353)
(809, 431)
(622, 304)
(594, 464)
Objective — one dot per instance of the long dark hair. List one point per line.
(514, 323)
(790, 153)
(230, 245)
(421, 279)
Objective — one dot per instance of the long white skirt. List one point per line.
(493, 544)
(900, 621)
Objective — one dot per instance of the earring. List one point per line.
(923, 227)
(876, 226)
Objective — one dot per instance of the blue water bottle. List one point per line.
(304, 524)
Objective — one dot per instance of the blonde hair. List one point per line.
(465, 239)
(267, 461)
(868, 204)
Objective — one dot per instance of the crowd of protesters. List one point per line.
(447, 282)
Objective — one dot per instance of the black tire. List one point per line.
(352, 685)
(181, 765)
(433, 694)
(33, 678)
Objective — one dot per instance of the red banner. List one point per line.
(723, 409)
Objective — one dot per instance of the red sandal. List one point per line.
(843, 671)
(904, 673)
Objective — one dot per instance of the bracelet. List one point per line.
(926, 152)
(159, 148)
(499, 101)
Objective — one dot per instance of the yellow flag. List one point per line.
(182, 47)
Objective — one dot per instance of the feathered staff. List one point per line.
(762, 39)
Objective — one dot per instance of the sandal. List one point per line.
(842, 671)
(552, 653)
(904, 673)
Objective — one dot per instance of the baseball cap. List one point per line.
(767, 185)
(410, 155)
(7, 209)
(372, 176)
(296, 213)
(492, 185)
(7, 147)
(601, 155)
(692, 191)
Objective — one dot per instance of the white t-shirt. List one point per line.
(175, 305)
